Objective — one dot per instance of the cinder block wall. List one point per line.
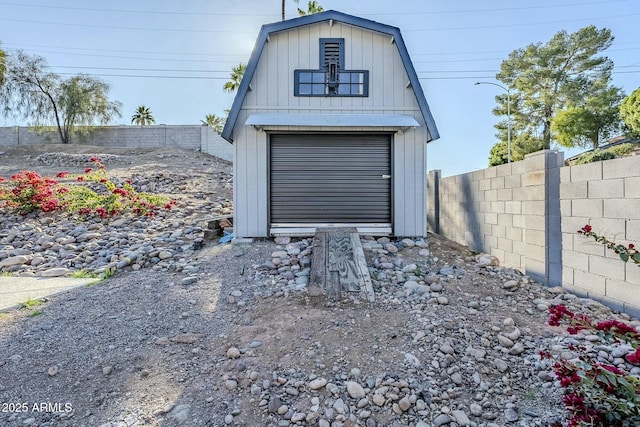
(505, 211)
(212, 143)
(528, 214)
(188, 137)
(605, 195)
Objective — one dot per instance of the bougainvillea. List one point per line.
(597, 394)
(28, 192)
(626, 253)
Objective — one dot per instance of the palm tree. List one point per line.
(297, 2)
(143, 116)
(214, 122)
(236, 77)
(312, 7)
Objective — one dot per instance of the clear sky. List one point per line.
(175, 56)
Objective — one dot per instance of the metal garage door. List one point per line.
(330, 179)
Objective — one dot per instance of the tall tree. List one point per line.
(143, 116)
(236, 78)
(312, 7)
(82, 104)
(214, 122)
(44, 98)
(547, 77)
(586, 123)
(524, 139)
(630, 112)
(283, 7)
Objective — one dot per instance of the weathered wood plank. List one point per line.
(318, 276)
(216, 217)
(338, 264)
(363, 270)
(341, 259)
(333, 286)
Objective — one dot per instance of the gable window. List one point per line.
(331, 79)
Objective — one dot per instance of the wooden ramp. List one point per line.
(338, 265)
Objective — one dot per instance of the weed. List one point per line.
(108, 273)
(30, 303)
(531, 394)
(84, 274)
(35, 313)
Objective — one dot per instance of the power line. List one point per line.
(273, 14)
(173, 77)
(151, 77)
(168, 59)
(253, 32)
(500, 9)
(479, 52)
(111, 27)
(165, 59)
(148, 52)
(165, 53)
(146, 12)
(83, 67)
(174, 70)
(485, 27)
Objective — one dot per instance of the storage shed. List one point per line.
(329, 127)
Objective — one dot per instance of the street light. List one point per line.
(508, 90)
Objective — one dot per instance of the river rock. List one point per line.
(14, 260)
(55, 272)
(317, 383)
(355, 390)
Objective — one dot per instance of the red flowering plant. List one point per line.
(104, 198)
(596, 393)
(27, 191)
(627, 253)
(97, 195)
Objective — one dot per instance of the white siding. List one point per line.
(272, 92)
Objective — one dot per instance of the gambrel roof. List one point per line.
(330, 15)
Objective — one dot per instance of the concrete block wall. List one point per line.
(506, 211)
(541, 207)
(605, 195)
(188, 137)
(212, 143)
(528, 214)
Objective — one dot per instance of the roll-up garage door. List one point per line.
(330, 179)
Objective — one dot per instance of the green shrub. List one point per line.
(623, 149)
(606, 154)
(595, 156)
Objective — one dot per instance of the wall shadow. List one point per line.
(476, 242)
(554, 221)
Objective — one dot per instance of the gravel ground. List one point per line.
(234, 339)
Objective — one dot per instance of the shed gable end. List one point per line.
(283, 73)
